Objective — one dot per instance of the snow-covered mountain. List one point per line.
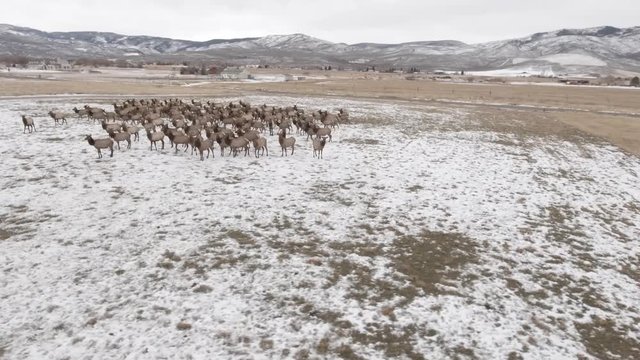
(595, 50)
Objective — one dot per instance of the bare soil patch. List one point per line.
(434, 261)
(623, 131)
(605, 339)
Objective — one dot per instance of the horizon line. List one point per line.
(304, 34)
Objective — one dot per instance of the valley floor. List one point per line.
(429, 230)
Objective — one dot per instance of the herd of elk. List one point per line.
(234, 126)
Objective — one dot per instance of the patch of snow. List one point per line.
(517, 72)
(573, 59)
(197, 84)
(267, 78)
(516, 61)
(13, 32)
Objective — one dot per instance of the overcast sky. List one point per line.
(348, 21)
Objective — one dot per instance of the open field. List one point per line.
(612, 113)
(443, 222)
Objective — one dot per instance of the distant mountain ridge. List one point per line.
(603, 50)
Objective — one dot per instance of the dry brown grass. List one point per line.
(433, 261)
(605, 339)
(183, 326)
(392, 341)
(623, 131)
(18, 221)
(4, 234)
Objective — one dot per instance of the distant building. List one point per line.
(36, 65)
(63, 64)
(233, 73)
(50, 64)
(575, 81)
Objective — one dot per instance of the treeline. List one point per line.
(23, 61)
(14, 60)
(195, 70)
(121, 63)
(410, 70)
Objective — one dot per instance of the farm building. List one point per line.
(233, 73)
(50, 64)
(575, 81)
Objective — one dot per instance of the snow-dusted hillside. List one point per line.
(26, 41)
(599, 49)
(595, 50)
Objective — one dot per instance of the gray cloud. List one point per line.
(350, 21)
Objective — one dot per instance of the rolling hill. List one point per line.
(602, 50)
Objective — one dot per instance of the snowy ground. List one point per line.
(419, 235)
(517, 71)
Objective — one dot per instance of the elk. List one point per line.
(318, 146)
(120, 136)
(181, 139)
(286, 142)
(202, 145)
(239, 143)
(28, 124)
(154, 137)
(81, 112)
(260, 144)
(100, 144)
(58, 117)
(133, 130)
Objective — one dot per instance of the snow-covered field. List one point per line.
(416, 236)
(566, 59)
(517, 71)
